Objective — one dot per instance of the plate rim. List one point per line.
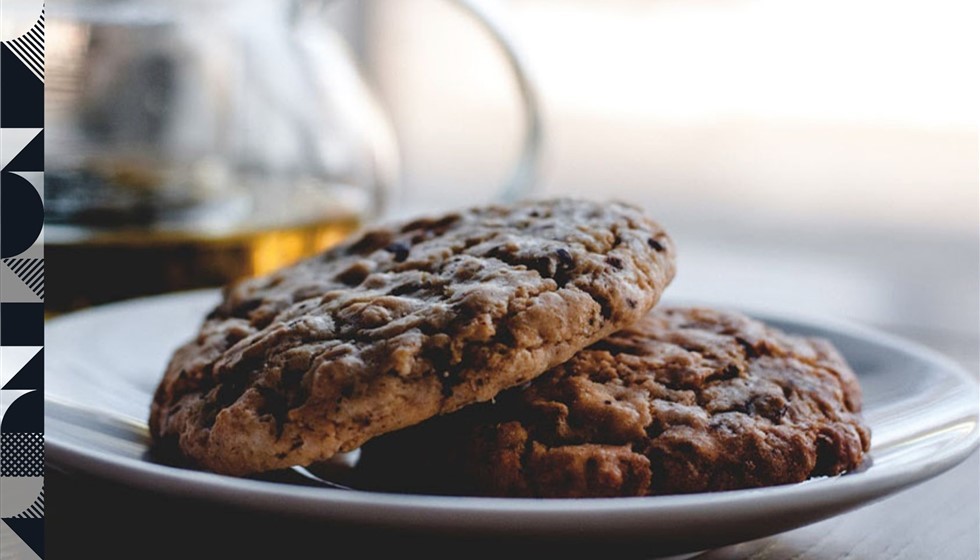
(465, 511)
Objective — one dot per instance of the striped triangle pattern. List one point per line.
(29, 48)
(35, 510)
(30, 272)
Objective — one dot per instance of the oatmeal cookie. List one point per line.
(403, 323)
(688, 400)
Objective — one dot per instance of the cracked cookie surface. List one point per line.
(687, 400)
(402, 323)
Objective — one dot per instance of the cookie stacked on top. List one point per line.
(535, 320)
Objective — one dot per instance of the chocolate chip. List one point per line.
(615, 262)
(545, 266)
(232, 337)
(370, 242)
(730, 371)
(274, 404)
(406, 288)
(655, 245)
(353, 275)
(243, 308)
(400, 250)
(605, 306)
(747, 347)
(565, 258)
(566, 263)
(443, 224)
(437, 227)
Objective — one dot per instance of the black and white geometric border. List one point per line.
(22, 283)
(30, 272)
(35, 510)
(29, 48)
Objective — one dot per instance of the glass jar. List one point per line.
(190, 142)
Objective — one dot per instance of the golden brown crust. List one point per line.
(403, 323)
(688, 400)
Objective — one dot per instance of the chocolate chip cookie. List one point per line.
(688, 400)
(400, 324)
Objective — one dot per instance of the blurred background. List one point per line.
(819, 158)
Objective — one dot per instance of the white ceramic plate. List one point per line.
(921, 407)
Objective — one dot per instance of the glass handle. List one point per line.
(525, 172)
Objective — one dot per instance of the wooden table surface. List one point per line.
(940, 518)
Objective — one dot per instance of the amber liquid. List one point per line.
(99, 268)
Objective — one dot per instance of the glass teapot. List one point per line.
(192, 142)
